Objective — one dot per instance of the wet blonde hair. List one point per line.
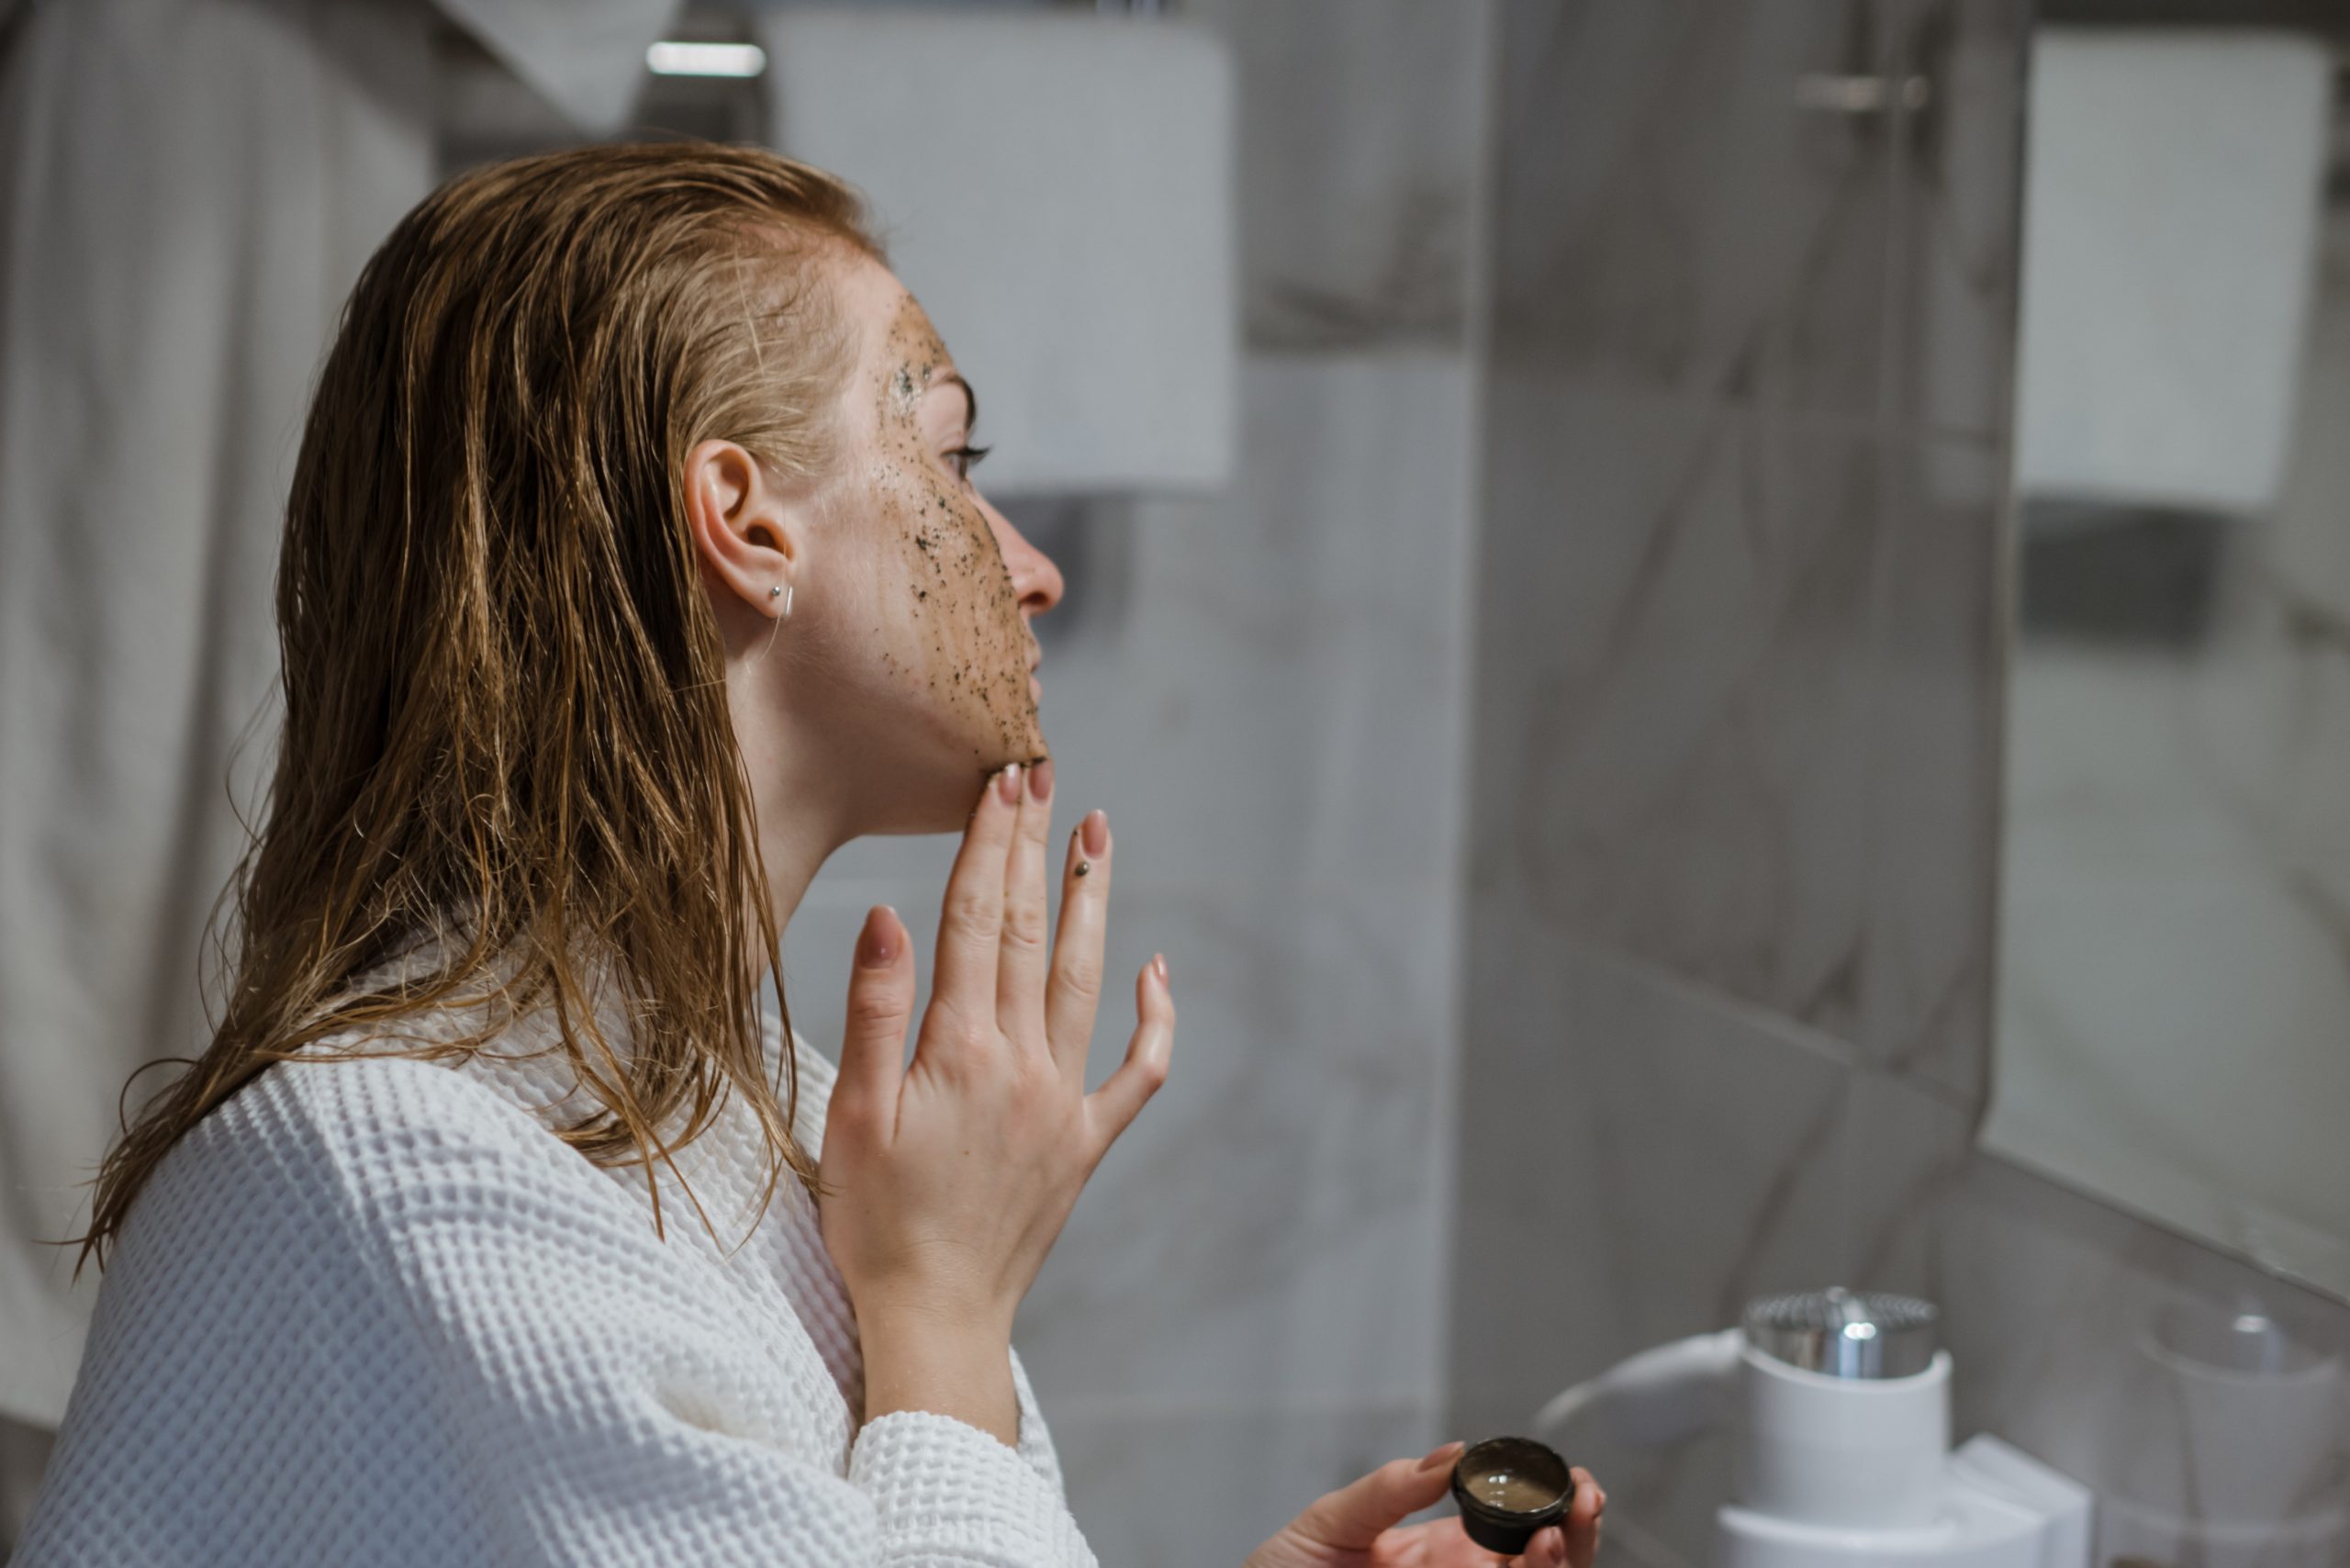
(505, 711)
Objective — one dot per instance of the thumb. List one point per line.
(880, 1005)
(1352, 1517)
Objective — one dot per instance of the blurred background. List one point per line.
(1677, 589)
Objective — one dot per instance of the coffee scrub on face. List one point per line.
(964, 606)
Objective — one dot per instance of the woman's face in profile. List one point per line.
(930, 589)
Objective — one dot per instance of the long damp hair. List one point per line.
(505, 711)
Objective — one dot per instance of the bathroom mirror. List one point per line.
(2173, 1028)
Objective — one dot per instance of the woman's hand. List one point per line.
(1355, 1526)
(949, 1178)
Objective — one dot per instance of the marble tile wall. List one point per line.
(1734, 764)
(1263, 688)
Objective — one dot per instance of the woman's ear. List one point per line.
(749, 531)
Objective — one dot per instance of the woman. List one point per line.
(632, 565)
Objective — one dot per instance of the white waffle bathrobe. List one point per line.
(375, 1312)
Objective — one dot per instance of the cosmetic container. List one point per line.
(1509, 1489)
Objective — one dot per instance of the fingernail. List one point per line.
(1096, 828)
(1159, 962)
(877, 943)
(1007, 784)
(1439, 1456)
(1040, 780)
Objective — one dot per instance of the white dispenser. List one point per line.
(1842, 1403)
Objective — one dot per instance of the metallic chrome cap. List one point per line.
(1844, 1333)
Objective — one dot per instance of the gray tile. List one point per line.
(1288, 704)
(1158, 1488)
(1957, 213)
(819, 944)
(1360, 130)
(1636, 1160)
(1671, 213)
(1270, 1227)
(24, 1455)
(2075, 1331)
(1934, 780)
(2051, 1302)
(1906, 1150)
(1673, 696)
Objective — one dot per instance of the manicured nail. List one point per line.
(1040, 780)
(1096, 828)
(877, 943)
(1007, 784)
(1439, 1456)
(1159, 962)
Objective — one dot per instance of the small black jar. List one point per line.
(1529, 1467)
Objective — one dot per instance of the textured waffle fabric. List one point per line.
(374, 1311)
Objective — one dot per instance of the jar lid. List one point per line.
(1841, 1333)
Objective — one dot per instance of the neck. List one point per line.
(799, 825)
(805, 813)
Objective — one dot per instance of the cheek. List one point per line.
(968, 645)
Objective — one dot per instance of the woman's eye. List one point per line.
(966, 458)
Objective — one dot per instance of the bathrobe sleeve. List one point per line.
(406, 1327)
(613, 1418)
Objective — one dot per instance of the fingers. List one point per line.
(971, 919)
(1579, 1544)
(1075, 990)
(1021, 958)
(880, 1005)
(1122, 1097)
(1546, 1550)
(1350, 1519)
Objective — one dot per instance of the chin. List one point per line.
(937, 794)
(1001, 754)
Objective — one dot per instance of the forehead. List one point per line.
(894, 333)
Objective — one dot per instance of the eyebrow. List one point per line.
(970, 399)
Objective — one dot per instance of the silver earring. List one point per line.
(787, 594)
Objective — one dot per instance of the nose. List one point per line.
(1034, 579)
